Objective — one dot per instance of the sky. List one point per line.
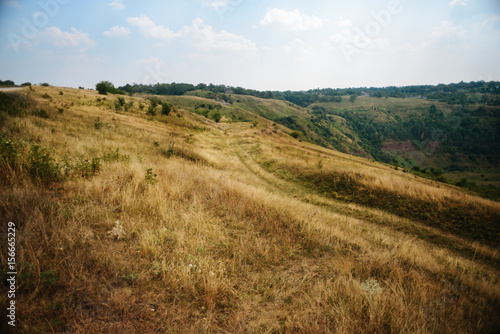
(256, 44)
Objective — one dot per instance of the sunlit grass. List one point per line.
(210, 240)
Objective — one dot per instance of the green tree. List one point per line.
(353, 98)
(432, 110)
(104, 87)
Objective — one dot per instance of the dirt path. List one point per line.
(10, 89)
(383, 220)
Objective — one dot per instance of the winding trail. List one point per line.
(381, 219)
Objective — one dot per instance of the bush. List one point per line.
(119, 103)
(165, 109)
(151, 110)
(296, 134)
(170, 152)
(10, 156)
(13, 105)
(216, 116)
(88, 167)
(41, 166)
(150, 177)
(98, 124)
(42, 113)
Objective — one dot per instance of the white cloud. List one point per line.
(215, 4)
(351, 40)
(200, 35)
(117, 4)
(151, 61)
(206, 39)
(458, 2)
(299, 50)
(74, 38)
(155, 70)
(149, 29)
(345, 23)
(448, 30)
(488, 23)
(291, 20)
(346, 36)
(117, 31)
(10, 3)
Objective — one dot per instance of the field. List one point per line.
(133, 223)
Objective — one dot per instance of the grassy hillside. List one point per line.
(128, 222)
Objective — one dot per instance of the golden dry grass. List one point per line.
(215, 243)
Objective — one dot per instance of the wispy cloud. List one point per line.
(150, 29)
(198, 34)
(345, 23)
(299, 50)
(291, 20)
(448, 30)
(117, 31)
(10, 3)
(204, 38)
(459, 2)
(74, 39)
(117, 4)
(215, 4)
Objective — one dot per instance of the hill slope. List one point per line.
(128, 222)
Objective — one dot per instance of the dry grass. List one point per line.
(208, 241)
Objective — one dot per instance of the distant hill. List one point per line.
(444, 132)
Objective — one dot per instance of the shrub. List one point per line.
(98, 124)
(150, 177)
(151, 110)
(155, 101)
(13, 105)
(216, 116)
(41, 166)
(165, 109)
(42, 113)
(119, 103)
(88, 167)
(10, 156)
(170, 152)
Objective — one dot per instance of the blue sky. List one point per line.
(259, 44)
